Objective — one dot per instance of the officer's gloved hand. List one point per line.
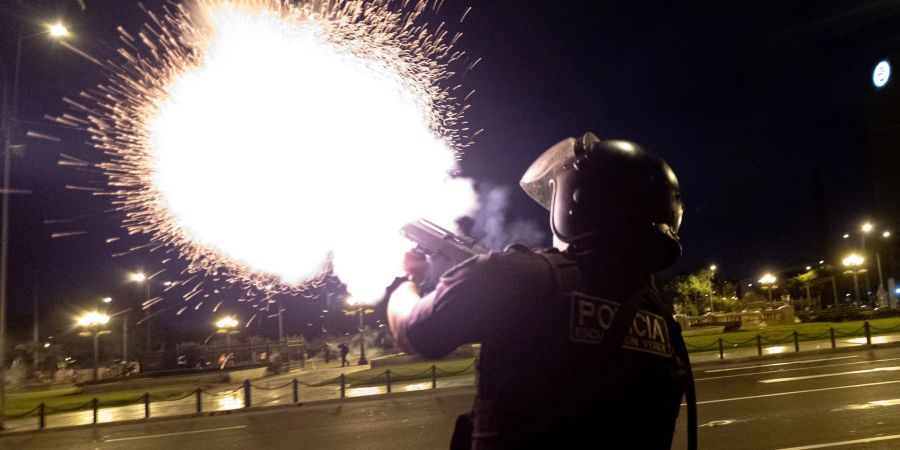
(416, 266)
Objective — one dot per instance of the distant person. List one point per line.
(345, 350)
(578, 348)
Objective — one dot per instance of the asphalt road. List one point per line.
(839, 400)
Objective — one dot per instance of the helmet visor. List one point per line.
(536, 181)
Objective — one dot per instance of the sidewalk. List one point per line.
(269, 391)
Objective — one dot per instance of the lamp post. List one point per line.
(93, 324)
(768, 283)
(712, 270)
(362, 328)
(854, 262)
(226, 326)
(10, 107)
(141, 278)
(866, 228)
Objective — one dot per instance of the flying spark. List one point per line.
(273, 144)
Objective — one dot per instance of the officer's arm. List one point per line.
(454, 314)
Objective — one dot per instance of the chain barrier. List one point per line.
(321, 383)
(754, 338)
(48, 409)
(457, 372)
(402, 377)
(698, 347)
(20, 416)
(272, 388)
(879, 329)
(852, 333)
(767, 339)
(814, 336)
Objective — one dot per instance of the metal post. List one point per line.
(96, 350)
(362, 337)
(343, 386)
(246, 393)
(146, 405)
(796, 342)
(96, 405)
(125, 337)
(147, 318)
(831, 331)
(433, 376)
(388, 374)
(296, 387)
(868, 333)
(280, 324)
(42, 419)
(4, 222)
(198, 394)
(721, 349)
(856, 286)
(834, 290)
(759, 345)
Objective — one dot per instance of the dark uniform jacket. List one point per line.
(546, 379)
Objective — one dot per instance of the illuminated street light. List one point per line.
(867, 227)
(58, 30)
(226, 325)
(853, 262)
(93, 324)
(768, 283)
(140, 277)
(137, 277)
(107, 299)
(886, 234)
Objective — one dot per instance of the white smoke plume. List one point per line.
(492, 225)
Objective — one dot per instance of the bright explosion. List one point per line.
(273, 143)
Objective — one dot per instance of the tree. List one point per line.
(693, 292)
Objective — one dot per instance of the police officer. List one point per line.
(578, 348)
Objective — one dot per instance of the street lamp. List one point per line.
(712, 269)
(93, 324)
(9, 124)
(853, 263)
(226, 326)
(768, 283)
(58, 30)
(362, 328)
(141, 278)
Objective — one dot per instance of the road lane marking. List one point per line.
(805, 361)
(805, 391)
(825, 375)
(870, 405)
(854, 363)
(855, 441)
(151, 436)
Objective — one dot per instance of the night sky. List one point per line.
(746, 101)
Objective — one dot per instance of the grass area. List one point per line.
(412, 371)
(21, 403)
(784, 333)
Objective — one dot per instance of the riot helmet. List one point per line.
(601, 192)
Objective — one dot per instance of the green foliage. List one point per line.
(693, 293)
